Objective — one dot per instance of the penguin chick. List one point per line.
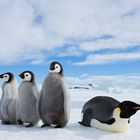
(106, 113)
(27, 100)
(54, 102)
(8, 99)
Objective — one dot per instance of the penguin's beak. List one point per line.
(136, 108)
(52, 67)
(1, 76)
(21, 76)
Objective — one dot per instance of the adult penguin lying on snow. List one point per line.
(108, 114)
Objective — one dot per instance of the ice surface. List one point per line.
(75, 131)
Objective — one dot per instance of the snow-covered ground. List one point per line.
(74, 131)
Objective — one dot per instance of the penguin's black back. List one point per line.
(101, 107)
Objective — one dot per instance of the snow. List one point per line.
(74, 130)
(112, 84)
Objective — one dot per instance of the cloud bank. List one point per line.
(110, 58)
(34, 30)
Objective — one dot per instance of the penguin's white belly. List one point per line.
(120, 125)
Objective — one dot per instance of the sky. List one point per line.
(89, 37)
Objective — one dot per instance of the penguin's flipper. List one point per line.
(86, 118)
(37, 99)
(4, 110)
(0, 106)
(109, 122)
(39, 103)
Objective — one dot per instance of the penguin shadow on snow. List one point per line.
(37, 128)
(20, 128)
(89, 132)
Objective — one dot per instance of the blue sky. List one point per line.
(87, 37)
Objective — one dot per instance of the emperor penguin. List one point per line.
(28, 93)
(106, 113)
(54, 102)
(8, 99)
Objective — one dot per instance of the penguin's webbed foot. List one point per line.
(29, 125)
(20, 122)
(6, 122)
(59, 126)
(45, 125)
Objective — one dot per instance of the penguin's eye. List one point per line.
(5, 76)
(57, 66)
(26, 75)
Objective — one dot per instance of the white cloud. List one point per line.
(30, 28)
(107, 44)
(19, 38)
(109, 58)
(70, 51)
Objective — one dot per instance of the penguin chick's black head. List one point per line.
(27, 76)
(128, 109)
(56, 67)
(7, 77)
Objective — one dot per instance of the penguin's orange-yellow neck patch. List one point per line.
(118, 110)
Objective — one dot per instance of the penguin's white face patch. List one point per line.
(57, 69)
(6, 77)
(27, 76)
